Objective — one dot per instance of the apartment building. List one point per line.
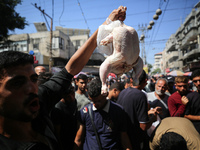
(171, 56)
(158, 61)
(182, 51)
(65, 43)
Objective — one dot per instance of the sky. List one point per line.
(90, 14)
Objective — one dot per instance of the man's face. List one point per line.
(39, 69)
(71, 96)
(160, 87)
(99, 101)
(143, 84)
(82, 85)
(114, 94)
(182, 87)
(18, 94)
(196, 81)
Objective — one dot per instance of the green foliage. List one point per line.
(156, 71)
(149, 67)
(9, 18)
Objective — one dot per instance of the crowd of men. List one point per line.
(42, 111)
(131, 116)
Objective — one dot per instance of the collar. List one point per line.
(106, 108)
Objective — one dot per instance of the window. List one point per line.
(61, 43)
(23, 47)
(78, 43)
(36, 43)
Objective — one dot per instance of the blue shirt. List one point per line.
(109, 123)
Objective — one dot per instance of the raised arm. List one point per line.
(82, 55)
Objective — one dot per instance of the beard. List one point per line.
(158, 92)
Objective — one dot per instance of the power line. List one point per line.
(62, 12)
(83, 13)
(158, 27)
(161, 20)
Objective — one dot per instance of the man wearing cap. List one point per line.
(170, 90)
(192, 102)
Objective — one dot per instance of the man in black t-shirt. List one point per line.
(134, 102)
(64, 119)
(192, 102)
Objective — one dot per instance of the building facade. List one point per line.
(158, 61)
(65, 42)
(182, 51)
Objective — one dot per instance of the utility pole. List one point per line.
(51, 33)
(143, 29)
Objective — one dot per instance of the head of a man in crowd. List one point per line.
(161, 86)
(172, 141)
(181, 84)
(127, 83)
(170, 81)
(44, 77)
(18, 86)
(196, 79)
(142, 80)
(39, 69)
(81, 82)
(114, 90)
(69, 96)
(94, 92)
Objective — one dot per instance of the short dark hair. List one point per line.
(142, 77)
(44, 77)
(94, 88)
(10, 59)
(195, 73)
(82, 76)
(118, 85)
(172, 141)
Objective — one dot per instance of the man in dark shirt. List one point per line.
(159, 98)
(134, 102)
(24, 122)
(192, 102)
(64, 119)
(109, 121)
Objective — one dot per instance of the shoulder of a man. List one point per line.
(84, 113)
(151, 96)
(193, 94)
(174, 95)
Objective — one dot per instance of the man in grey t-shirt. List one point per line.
(81, 93)
(159, 98)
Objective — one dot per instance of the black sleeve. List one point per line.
(54, 89)
(56, 116)
(142, 109)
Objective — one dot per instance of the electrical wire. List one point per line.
(83, 14)
(158, 27)
(62, 13)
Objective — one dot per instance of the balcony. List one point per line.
(192, 53)
(190, 35)
(172, 54)
(174, 64)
